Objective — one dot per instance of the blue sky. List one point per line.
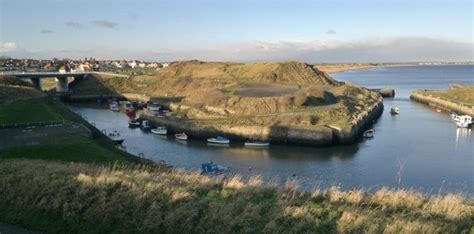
(314, 31)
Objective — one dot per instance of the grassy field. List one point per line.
(85, 198)
(97, 148)
(31, 110)
(463, 95)
(71, 149)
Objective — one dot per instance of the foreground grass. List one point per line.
(67, 197)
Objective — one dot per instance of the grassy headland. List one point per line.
(289, 95)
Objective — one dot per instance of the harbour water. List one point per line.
(418, 149)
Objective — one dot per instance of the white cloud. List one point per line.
(389, 49)
(7, 47)
(331, 31)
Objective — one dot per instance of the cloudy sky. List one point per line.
(239, 30)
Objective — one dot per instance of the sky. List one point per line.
(321, 31)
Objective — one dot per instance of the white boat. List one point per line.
(114, 106)
(218, 140)
(181, 136)
(115, 137)
(369, 133)
(395, 110)
(160, 131)
(145, 126)
(463, 121)
(134, 123)
(256, 143)
(153, 107)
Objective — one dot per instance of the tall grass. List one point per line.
(74, 197)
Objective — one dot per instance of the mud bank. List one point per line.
(320, 136)
(442, 103)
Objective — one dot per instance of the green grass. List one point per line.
(463, 95)
(72, 149)
(31, 110)
(98, 148)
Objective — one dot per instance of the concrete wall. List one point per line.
(442, 103)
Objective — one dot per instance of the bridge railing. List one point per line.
(60, 73)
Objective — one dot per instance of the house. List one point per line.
(132, 64)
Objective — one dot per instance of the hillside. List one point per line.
(214, 94)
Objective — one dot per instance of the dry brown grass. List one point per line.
(137, 198)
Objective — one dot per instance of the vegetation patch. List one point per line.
(31, 110)
(67, 197)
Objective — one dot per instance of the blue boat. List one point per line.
(211, 168)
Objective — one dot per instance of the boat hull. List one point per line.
(159, 132)
(215, 141)
(181, 137)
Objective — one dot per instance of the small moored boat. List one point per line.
(153, 107)
(211, 168)
(133, 123)
(115, 137)
(181, 136)
(395, 110)
(218, 140)
(145, 126)
(257, 143)
(369, 133)
(114, 106)
(160, 131)
(463, 121)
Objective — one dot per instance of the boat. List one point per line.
(218, 140)
(145, 126)
(211, 168)
(257, 143)
(114, 106)
(463, 121)
(115, 137)
(181, 136)
(369, 133)
(160, 131)
(395, 110)
(455, 116)
(134, 123)
(153, 107)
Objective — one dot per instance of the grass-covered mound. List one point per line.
(65, 197)
(287, 94)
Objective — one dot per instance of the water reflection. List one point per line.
(462, 135)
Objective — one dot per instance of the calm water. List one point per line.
(436, 156)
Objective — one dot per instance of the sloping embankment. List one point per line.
(431, 100)
(324, 135)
